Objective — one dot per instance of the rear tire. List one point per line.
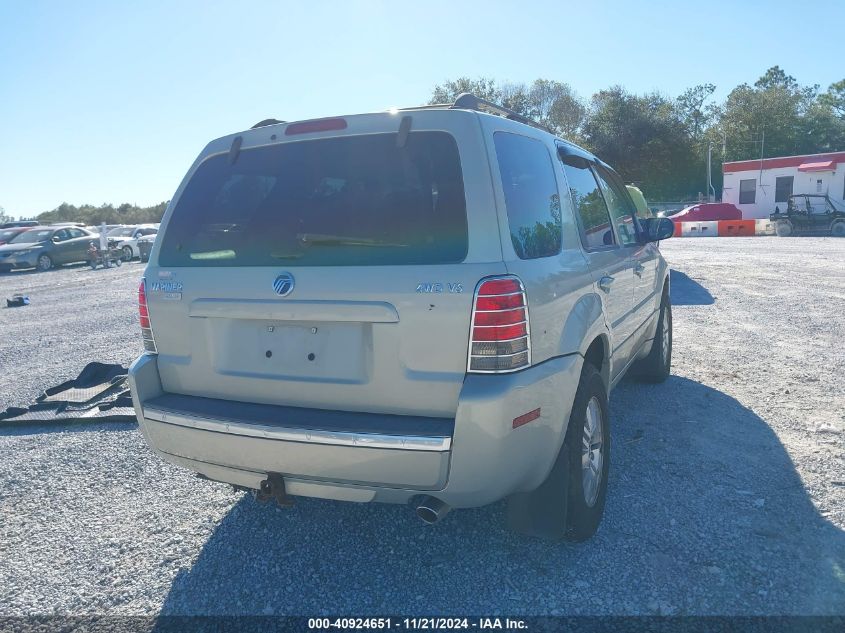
(563, 507)
(838, 229)
(656, 366)
(127, 253)
(588, 444)
(783, 228)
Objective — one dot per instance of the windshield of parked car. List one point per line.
(121, 231)
(32, 236)
(6, 235)
(354, 200)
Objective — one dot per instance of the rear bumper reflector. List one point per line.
(525, 418)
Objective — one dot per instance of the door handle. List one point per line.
(639, 269)
(605, 283)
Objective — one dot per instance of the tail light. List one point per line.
(499, 339)
(144, 319)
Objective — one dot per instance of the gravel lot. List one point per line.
(727, 482)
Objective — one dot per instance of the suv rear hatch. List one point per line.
(328, 266)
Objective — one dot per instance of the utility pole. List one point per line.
(710, 197)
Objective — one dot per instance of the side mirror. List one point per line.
(657, 229)
(55, 239)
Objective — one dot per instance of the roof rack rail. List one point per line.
(468, 101)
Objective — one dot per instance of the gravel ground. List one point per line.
(727, 482)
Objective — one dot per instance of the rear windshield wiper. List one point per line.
(344, 240)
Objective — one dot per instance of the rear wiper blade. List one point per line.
(345, 240)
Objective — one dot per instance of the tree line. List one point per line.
(660, 143)
(655, 141)
(95, 215)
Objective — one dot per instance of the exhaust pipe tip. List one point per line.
(431, 510)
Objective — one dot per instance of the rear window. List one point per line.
(346, 201)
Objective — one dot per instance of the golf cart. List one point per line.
(810, 214)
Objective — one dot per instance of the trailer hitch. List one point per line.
(274, 488)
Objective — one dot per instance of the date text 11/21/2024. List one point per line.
(424, 623)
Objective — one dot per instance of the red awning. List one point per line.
(828, 165)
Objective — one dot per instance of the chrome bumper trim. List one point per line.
(307, 436)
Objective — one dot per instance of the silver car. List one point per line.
(425, 306)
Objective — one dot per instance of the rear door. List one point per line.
(610, 262)
(334, 270)
(78, 245)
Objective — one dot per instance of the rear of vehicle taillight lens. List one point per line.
(144, 318)
(499, 337)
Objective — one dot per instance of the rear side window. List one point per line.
(596, 231)
(531, 195)
(344, 201)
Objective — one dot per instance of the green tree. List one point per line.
(646, 140)
(775, 106)
(482, 87)
(106, 213)
(691, 106)
(834, 98)
(4, 217)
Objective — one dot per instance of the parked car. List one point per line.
(18, 223)
(426, 307)
(126, 237)
(8, 233)
(43, 247)
(809, 214)
(145, 246)
(708, 212)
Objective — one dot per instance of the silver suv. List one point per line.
(423, 306)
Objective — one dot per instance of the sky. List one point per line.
(110, 102)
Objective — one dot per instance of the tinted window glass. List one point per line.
(747, 191)
(531, 196)
(618, 206)
(40, 235)
(783, 188)
(589, 204)
(346, 201)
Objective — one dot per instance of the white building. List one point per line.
(756, 186)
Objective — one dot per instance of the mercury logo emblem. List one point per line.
(283, 285)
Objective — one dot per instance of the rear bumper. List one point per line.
(475, 459)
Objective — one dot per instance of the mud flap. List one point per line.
(542, 513)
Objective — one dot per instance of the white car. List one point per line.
(126, 238)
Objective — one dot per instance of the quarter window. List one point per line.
(531, 196)
(589, 203)
(747, 191)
